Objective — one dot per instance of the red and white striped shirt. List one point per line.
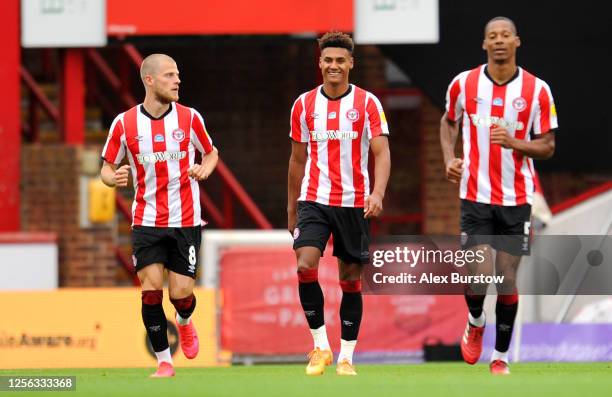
(338, 133)
(160, 152)
(493, 174)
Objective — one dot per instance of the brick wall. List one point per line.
(441, 198)
(50, 202)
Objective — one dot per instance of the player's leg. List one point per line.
(310, 238)
(506, 307)
(513, 227)
(351, 312)
(183, 299)
(149, 257)
(351, 247)
(152, 281)
(183, 266)
(476, 229)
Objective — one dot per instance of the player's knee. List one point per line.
(507, 287)
(152, 297)
(304, 263)
(150, 280)
(180, 291)
(349, 272)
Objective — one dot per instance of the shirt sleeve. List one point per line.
(376, 123)
(453, 102)
(298, 127)
(114, 148)
(199, 135)
(545, 117)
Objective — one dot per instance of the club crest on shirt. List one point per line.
(352, 114)
(158, 138)
(178, 135)
(519, 104)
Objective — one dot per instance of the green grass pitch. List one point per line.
(431, 380)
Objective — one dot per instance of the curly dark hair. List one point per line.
(336, 39)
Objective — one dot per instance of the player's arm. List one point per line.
(382, 168)
(297, 165)
(112, 154)
(540, 148)
(111, 176)
(449, 131)
(203, 170)
(204, 144)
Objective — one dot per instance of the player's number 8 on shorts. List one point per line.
(192, 255)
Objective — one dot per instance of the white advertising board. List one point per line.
(63, 23)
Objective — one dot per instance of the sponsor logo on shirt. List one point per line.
(155, 157)
(158, 138)
(331, 115)
(498, 102)
(331, 135)
(486, 121)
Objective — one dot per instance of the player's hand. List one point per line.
(291, 220)
(198, 172)
(373, 206)
(454, 169)
(501, 137)
(120, 178)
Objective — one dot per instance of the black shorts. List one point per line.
(351, 232)
(505, 228)
(176, 247)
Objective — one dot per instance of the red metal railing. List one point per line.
(110, 77)
(233, 189)
(37, 99)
